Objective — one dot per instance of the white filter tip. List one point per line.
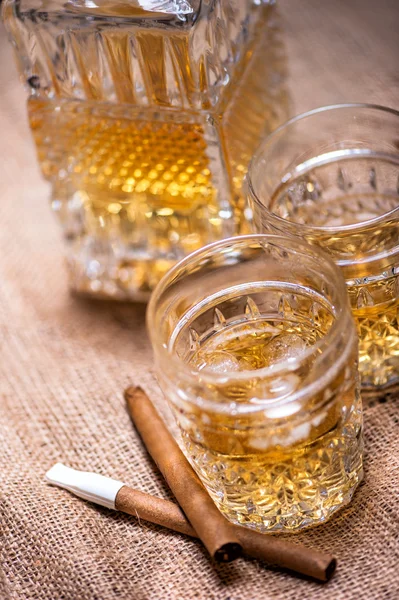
(89, 486)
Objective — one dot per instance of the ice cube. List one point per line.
(277, 389)
(259, 443)
(284, 410)
(221, 362)
(298, 433)
(283, 347)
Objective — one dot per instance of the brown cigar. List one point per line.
(214, 530)
(198, 506)
(291, 556)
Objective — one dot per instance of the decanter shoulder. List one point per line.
(164, 53)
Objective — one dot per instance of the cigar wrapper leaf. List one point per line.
(214, 530)
(118, 496)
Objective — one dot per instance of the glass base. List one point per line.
(98, 270)
(285, 496)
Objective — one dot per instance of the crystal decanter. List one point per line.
(145, 114)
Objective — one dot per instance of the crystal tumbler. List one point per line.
(256, 352)
(331, 176)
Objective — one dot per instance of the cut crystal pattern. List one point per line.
(137, 108)
(219, 320)
(272, 459)
(251, 310)
(367, 251)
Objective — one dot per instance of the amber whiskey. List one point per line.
(288, 466)
(357, 223)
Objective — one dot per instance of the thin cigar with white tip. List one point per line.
(118, 496)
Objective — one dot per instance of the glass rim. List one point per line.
(302, 227)
(342, 318)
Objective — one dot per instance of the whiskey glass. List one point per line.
(256, 351)
(331, 177)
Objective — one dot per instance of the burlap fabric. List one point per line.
(64, 365)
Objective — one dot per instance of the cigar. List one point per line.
(197, 504)
(214, 530)
(294, 557)
(118, 496)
